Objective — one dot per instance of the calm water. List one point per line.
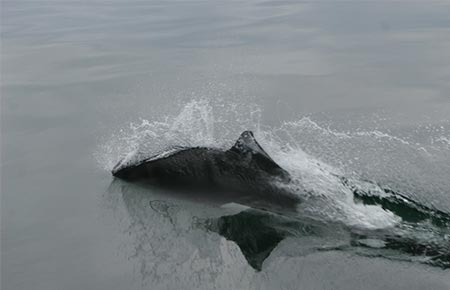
(355, 89)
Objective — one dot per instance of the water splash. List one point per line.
(419, 169)
(377, 163)
(315, 154)
(198, 123)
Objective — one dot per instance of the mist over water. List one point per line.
(352, 98)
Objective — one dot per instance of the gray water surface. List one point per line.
(76, 73)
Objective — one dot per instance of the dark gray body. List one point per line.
(245, 168)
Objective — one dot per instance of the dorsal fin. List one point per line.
(246, 144)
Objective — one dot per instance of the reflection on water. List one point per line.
(257, 233)
(255, 240)
(204, 239)
(360, 85)
(170, 240)
(337, 212)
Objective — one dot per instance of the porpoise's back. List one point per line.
(245, 168)
(189, 164)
